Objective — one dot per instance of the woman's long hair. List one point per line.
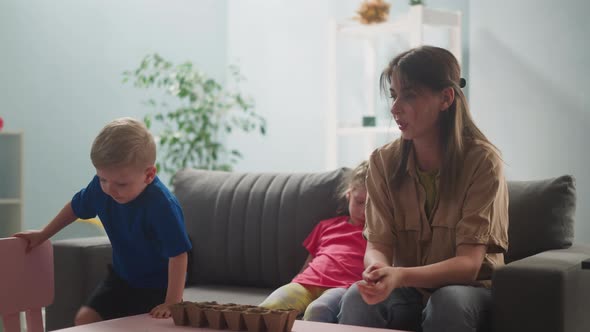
(436, 68)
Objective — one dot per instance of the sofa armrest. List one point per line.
(545, 292)
(79, 265)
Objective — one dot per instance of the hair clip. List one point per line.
(462, 82)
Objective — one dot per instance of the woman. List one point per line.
(437, 207)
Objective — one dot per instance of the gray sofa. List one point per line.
(247, 230)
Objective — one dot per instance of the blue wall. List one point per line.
(282, 48)
(530, 74)
(60, 77)
(61, 64)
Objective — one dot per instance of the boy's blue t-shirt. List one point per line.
(144, 233)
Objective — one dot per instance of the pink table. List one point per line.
(145, 323)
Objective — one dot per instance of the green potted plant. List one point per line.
(192, 129)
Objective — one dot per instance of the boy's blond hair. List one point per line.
(123, 142)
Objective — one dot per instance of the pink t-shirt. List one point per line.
(338, 250)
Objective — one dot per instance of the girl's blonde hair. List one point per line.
(355, 179)
(123, 142)
(436, 69)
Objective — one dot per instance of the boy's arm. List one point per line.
(65, 217)
(176, 279)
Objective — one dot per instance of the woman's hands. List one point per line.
(379, 280)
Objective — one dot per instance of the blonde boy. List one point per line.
(142, 219)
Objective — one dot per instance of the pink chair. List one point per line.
(26, 283)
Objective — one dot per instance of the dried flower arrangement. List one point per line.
(373, 11)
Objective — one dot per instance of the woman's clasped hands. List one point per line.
(379, 280)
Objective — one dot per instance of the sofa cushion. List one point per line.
(541, 216)
(247, 228)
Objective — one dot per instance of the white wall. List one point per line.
(60, 77)
(529, 79)
(281, 47)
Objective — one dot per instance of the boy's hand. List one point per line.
(161, 311)
(34, 238)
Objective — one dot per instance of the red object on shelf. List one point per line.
(1, 123)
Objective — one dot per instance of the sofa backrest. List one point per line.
(248, 228)
(541, 216)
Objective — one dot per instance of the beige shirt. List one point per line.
(479, 215)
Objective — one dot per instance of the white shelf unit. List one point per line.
(408, 27)
(11, 182)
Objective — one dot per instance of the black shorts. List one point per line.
(115, 298)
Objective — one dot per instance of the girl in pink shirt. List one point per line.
(336, 249)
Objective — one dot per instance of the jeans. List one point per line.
(326, 307)
(450, 308)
